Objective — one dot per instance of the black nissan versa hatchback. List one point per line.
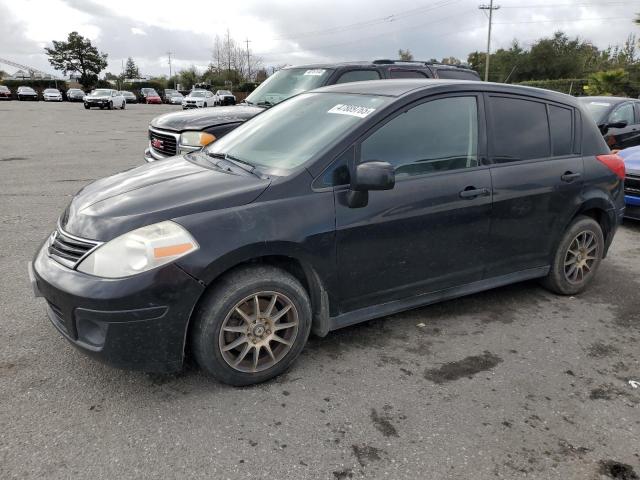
(333, 207)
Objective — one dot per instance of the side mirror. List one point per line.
(372, 175)
(604, 127)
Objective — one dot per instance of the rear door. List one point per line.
(431, 230)
(536, 173)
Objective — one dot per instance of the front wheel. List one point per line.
(86, 106)
(251, 326)
(577, 257)
(124, 105)
(110, 107)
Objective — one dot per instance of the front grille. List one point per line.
(163, 143)
(69, 250)
(632, 184)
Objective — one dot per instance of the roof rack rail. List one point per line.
(385, 61)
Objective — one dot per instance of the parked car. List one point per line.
(51, 95)
(618, 119)
(5, 93)
(75, 95)
(198, 99)
(27, 93)
(146, 91)
(152, 97)
(175, 130)
(631, 157)
(176, 98)
(166, 95)
(105, 98)
(225, 97)
(347, 203)
(129, 97)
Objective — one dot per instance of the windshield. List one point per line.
(224, 92)
(287, 83)
(288, 135)
(197, 94)
(51, 90)
(101, 92)
(597, 108)
(152, 93)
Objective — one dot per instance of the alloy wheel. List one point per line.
(258, 331)
(581, 256)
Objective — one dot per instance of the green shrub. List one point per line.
(37, 85)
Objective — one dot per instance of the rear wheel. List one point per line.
(577, 258)
(251, 326)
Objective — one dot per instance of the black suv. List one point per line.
(336, 206)
(175, 133)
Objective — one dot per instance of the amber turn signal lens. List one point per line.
(172, 250)
(206, 139)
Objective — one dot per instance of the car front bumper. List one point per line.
(137, 323)
(97, 103)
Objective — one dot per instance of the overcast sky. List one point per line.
(301, 31)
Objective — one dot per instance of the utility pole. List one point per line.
(228, 48)
(491, 8)
(169, 53)
(248, 64)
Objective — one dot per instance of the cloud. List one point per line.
(305, 31)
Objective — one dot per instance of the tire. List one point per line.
(110, 107)
(584, 236)
(124, 105)
(205, 105)
(87, 106)
(218, 309)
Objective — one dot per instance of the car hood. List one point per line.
(99, 97)
(152, 193)
(632, 164)
(201, 119)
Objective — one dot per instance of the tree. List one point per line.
(405, 55)
(3, 74)
(77, 55)
(611, 82)
(131, 70)
(189, 77)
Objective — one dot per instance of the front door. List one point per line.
(430, 231)
(625, 137)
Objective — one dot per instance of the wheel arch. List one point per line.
(599, 207)
(299, 267)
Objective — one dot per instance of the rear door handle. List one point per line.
(472, 192)
(570, 177)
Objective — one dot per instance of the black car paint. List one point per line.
(620, 137)
(357, 263)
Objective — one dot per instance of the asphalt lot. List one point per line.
(512, 383)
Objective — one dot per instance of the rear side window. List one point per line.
(407, 74)
(358, 76)
(417, 142)
(520, 130)
(561, 123)
(456, 74)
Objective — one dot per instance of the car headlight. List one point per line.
(196, 139)
(139, 250)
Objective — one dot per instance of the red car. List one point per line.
(150, 95)
(5, 93)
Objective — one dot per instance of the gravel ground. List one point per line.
(511, 383)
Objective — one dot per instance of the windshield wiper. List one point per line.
(265, 103)
(246, 166)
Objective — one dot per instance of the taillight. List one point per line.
(614, 163)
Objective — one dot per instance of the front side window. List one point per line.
(358, 76)
(457, 74)
(519, 129)
(435, 136)
(623, 113)
(289, 134)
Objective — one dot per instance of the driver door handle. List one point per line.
(570, 177)
(472, 192)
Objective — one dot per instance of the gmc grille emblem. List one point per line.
(155, 143)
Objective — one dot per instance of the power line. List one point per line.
(491, 8)
(562, 21)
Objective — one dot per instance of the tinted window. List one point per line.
(435, 136)
(561, 123)
(358, 76)
(520, 130)
(457, 74)
(406, 74)
(637, 104)
(623, 113)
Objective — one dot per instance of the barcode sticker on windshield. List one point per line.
(316, 72)
(353, 110)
